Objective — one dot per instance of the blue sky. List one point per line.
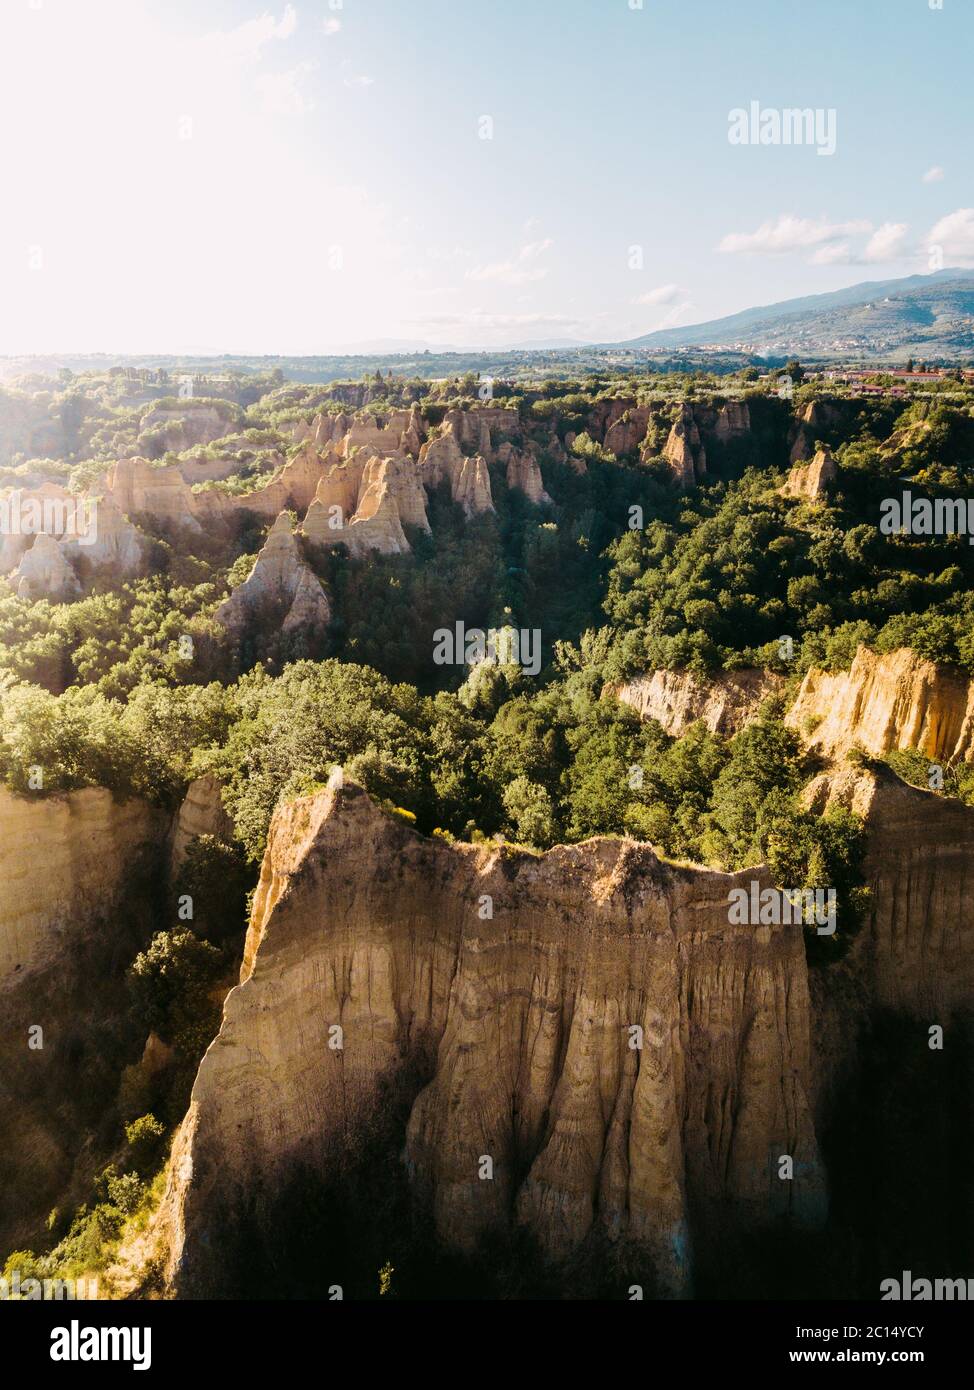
(229, 175)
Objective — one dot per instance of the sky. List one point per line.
(209, 176)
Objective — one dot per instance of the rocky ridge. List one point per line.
(810, 480)
(281, 582)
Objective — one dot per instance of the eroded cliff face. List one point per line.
(684, 450)
(201, 813)
(281, 588)
(65, 861)
(811, 480)
(376, 470)
(915, 951)
(881, 703)
(511, 982)
(677, 699)
(892, 1101)
(491, 994)
(888, 702)
(77, 877)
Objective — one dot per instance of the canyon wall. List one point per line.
(515, 980)
(887, 702)
(78, 888)
(65, 862)
(882, 703)
(201, 813)
(915, 951)
(493, 994)
(726, 703)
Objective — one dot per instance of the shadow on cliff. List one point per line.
(60, 1100)
(896, 1144)
(355, 1224)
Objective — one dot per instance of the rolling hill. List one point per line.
(919, 316)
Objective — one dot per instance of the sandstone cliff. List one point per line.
(44, 572)
(830, 419)
(726, 703)
(524, 473)
(280, 584)
(915, 952)
(363, 505)
(117, 551)
(56, 538)
(525, 1016)
(77, 871)
(625, 434)
(201, 812)
(137, 485)
(343, 449)
(63, 863)
(811, 480)
(733, 421)
(376, 524)
(684, 450)
(28, 511)
(475, 428)
(442, 460)
(887, 702)
(471, 487)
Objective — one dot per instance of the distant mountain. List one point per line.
(919, 316)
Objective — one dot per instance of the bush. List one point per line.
(144, 1138)
(171, 983)
(216, 877)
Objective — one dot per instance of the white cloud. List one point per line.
(886, 243)
(673, 317)
(449, 253)
(351, 78)
(282, 93)
(788, 235)
(535, 248)
(827, 242)
(934, 175)
(663, 294)
(330, 27)
(520, 270)
(954, 234)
